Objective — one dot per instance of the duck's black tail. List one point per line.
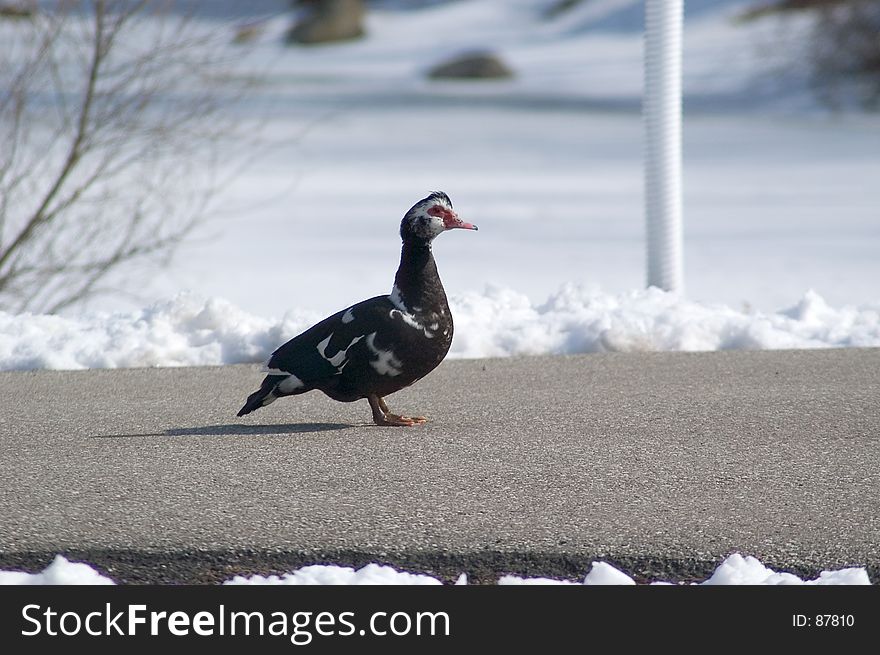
(262, 396)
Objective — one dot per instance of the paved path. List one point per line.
(659, 463)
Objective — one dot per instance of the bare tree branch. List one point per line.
(105, 109)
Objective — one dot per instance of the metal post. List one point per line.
(661, 108)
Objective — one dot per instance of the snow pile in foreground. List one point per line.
(189, 331)
(59, 572)
(319, 574)
(735, 570)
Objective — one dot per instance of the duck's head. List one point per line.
(430, 217)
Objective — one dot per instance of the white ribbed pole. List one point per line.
(661, 108)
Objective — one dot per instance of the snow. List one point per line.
(601, 573)
(319, 574)
(59, 572)
(184, 331)
(780, 194)
(189, 331)
(734, 570)
(577, 320)
(737, 569)
(781, 198)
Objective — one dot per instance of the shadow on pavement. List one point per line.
(235, 429)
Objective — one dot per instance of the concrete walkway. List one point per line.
(659, 463)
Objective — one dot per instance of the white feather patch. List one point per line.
(339, 359)
(397, 300)
(385, 363)
(348, 316)
(408, 317)
(410, 320)
(290, 383)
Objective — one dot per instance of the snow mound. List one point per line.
(371, 574)
(735, 570)
(60, 572)
(601, 573)
(184, 331)
(189, 331)
(502, 322)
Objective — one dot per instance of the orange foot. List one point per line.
(394, 419)
(381, 415)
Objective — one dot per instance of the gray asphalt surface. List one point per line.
(659, 463)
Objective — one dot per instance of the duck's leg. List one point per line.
(383, 416)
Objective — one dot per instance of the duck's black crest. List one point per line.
(439, 195)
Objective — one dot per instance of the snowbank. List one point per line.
(190, 331)
(501, 322)
(735, 570)
(184, 331)
(59, 572)
(371, 574)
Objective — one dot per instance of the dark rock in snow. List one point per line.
(248, 32)
(16, 10)
(327, 21)
(475, 65)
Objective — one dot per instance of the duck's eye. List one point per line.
(438, 211)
